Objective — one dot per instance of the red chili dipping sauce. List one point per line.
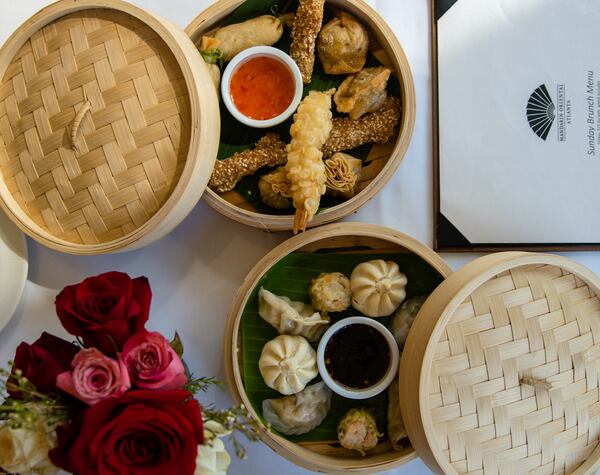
(262, 88)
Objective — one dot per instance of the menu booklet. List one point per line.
(517, 124)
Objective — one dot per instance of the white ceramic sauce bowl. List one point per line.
(370, 391)
(240, 59)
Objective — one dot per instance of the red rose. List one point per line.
(105, 310)
(42, 361)
(143, 432)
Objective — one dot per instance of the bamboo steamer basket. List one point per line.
(327, 458)
(108, 126)
(500, 370)
(383, 161)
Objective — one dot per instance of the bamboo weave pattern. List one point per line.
(538, 324)
(131, 147)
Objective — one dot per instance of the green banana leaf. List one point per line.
(291, 277)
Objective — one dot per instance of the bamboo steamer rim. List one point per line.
(291, 451)
(203, 128)
(222, 8)
(429, 327)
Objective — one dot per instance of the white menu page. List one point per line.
(519, 120)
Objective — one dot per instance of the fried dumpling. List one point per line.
(299, 413)
(289, 317)
(342, 45)
(288, 363)
(404, 318)
(378, 287)
(343, 174)
(363, 92)
(274, 189)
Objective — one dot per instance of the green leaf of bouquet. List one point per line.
(177, 345)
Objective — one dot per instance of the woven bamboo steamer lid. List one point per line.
(323, 457)
(500, 370)
(108, 126)
(384, 160)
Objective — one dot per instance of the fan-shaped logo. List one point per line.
(541, 112)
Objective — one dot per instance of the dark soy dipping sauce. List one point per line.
(357, 356)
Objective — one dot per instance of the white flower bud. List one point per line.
(212, 459)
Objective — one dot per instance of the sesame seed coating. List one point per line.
(374, 127)
(305, 29)
(268, 152)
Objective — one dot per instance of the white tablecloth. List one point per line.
(196, 270)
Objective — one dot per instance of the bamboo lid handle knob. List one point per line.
(536, 383)
(85, 108)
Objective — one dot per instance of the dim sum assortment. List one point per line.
(375, 288)
(360, 111)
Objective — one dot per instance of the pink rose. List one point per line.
(95, 377)
(152, 363)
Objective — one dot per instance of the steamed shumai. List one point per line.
(378, 287)
(357, 430)
(330, 292)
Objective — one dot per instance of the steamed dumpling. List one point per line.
(289, 317)
(330, 292)
(404, 318)
(287, 364)
(299, 413)
(396, 430)
(378, 287)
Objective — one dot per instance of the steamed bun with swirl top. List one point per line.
(287, 364)
(378, 287)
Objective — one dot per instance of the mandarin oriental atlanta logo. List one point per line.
(541, 111)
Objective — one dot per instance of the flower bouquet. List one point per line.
(119, 400)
